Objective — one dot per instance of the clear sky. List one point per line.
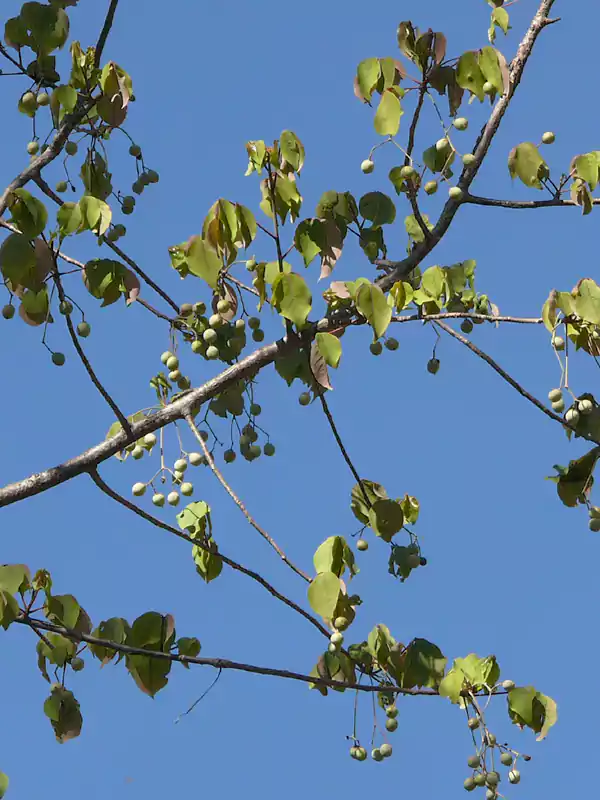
(511, 571)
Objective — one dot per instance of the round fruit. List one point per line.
(199, 308)
(455, 192)
(473, 723)
(240, 324)
(491, 740)
(258, 335)
(386, 750)
(469, 784)
(65, 307)
(473, 761)
(269, 449)
(441, 145)
(212, 352)
(490, 794)
(71, 148)
(28, 103)
(488, 87)
(594, 525)
(58, 359)
(137, 452)
(572, 416)
(554, 395)
(153, 176)
(174, 375)
(362, 544)
(376, 348)
(558, 343)
(158, 499)
(376, 754)
(173, 498)
(361, 754)
(195, 459)
(138, 489)
(120, 230)
(210, 335)
(433, 365)
(548, 137)
(229, 456)
(180, 465)
(135, 150)
(255, 409)
(8, 311)
(304, 399)
(466, 326)
(506, 759)
(254, 451)
(42, 99)
(422, 561)
(177, 476)
(508, 685)
(215, 321)
(197, 346)
(253, 323)
(84, 329)
(187, 489)
(461, 123)
(337, 639)
(392, 344)
(585, 406)
(341, 623)
(172, 362)
(391, 724)
(166, 356)
(33, 148)
(431, 187)
(413, 561)
(353, 750)
(479, 779)
(559, 406)
(77, 664)
(61, 187)
(514, 776)
(468, 159)
(223, 306)
(492, 779)
(367, 166)
(407, 171)
(185, 309)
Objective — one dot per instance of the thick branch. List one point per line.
(211, 462)
(555, 202)
(229, 561)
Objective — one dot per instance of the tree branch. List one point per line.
(553, 203)
(211, 463)
(198, 543)
(108, 22)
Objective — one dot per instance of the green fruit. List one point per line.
(180, 465)
(455, 193)
(594, 525)
(135, 150)
(391, 711)
(42, 99)
(392, 344)
(187, 489)
(341, 623)
(337, 639)
(223, 306)
(479, 779)
(572, 416)
(473, 761)
(173, 498)
(441, 145)
(61, 187)
(362, 545)
(433, 365)
(508, 685)
(376, 348)
(77, 664)
(492, 779)
(199, 308)
(413, 561)
(258, 335)
(473, 723)
(585, 407)
(386, 750)
(361, 754)
(137, 452)
(431, 187)
(158, 499)
(177, 477)
(65, 307)
(376, 754)
(120, 230)
(58, 359)
(71, 148)
(548, 137)
(461, 123)
(229, 456)
(269, 449)
(490, 794)
(174, 375)
(466, 326)
(254, 451)
(391, 724)
(506, 759)
(212, 352)
(215, 321)
(255, 409)
(128, 200)
(138, 489)
(171, 363)
(204, 436)
(8, 311)
(407, 172)
(210, 335)
(559, 406)
(514, 776)
(153, 176)
(28, 103)
(491, 740)
(195, 459)
(304, 399)
(197, 346)
(33, 148)
(367, 166)
(84, 329)
(468, 159)
(251, 264)
(488, 87)
(469, 784)
(240, 324)
(558, 343)
(353, 750)
(554, 395)
(253, 323)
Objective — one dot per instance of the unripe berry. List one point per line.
(367, 166)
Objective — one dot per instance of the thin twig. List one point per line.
(108, 22)
(104, 487)
(555, 202)
(211, 463)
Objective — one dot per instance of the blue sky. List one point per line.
(511, 571)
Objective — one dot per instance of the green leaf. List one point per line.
(439, 160)
(194, 518)
(387, 116)
(95, 214)
(587, 301)
(35, 306)
(330, 348)
(62, 709)
(406, 39)
(69, 218)
(309, 239)
(587, 167)
(256, 156)
(549, 311)
(28, 213)
(378, 208)
(424, 665)
(414, 229)
(107, 280)
(13, 577)
(575, 482)
(188, 646)
(372, 303)
(367, 76)
(469, 75)
(65, 610)
(329, 556)
(3, 784)
(9, 608)
(452, 685)
(379, 643)
(203, 261)
(527, 707)
(292, 150)
(95, 176)
(386, 518)
(209, 563)
(526, 163)
(501, 19)
(292, 298)
(433, 282)
(323, 594)
(115, 629)
(489, 64)
(150, 674)
(359, 505)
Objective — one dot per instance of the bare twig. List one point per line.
(229, 561)
(468, 315)
(211, 463)
(108, 22)
(555, 202)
